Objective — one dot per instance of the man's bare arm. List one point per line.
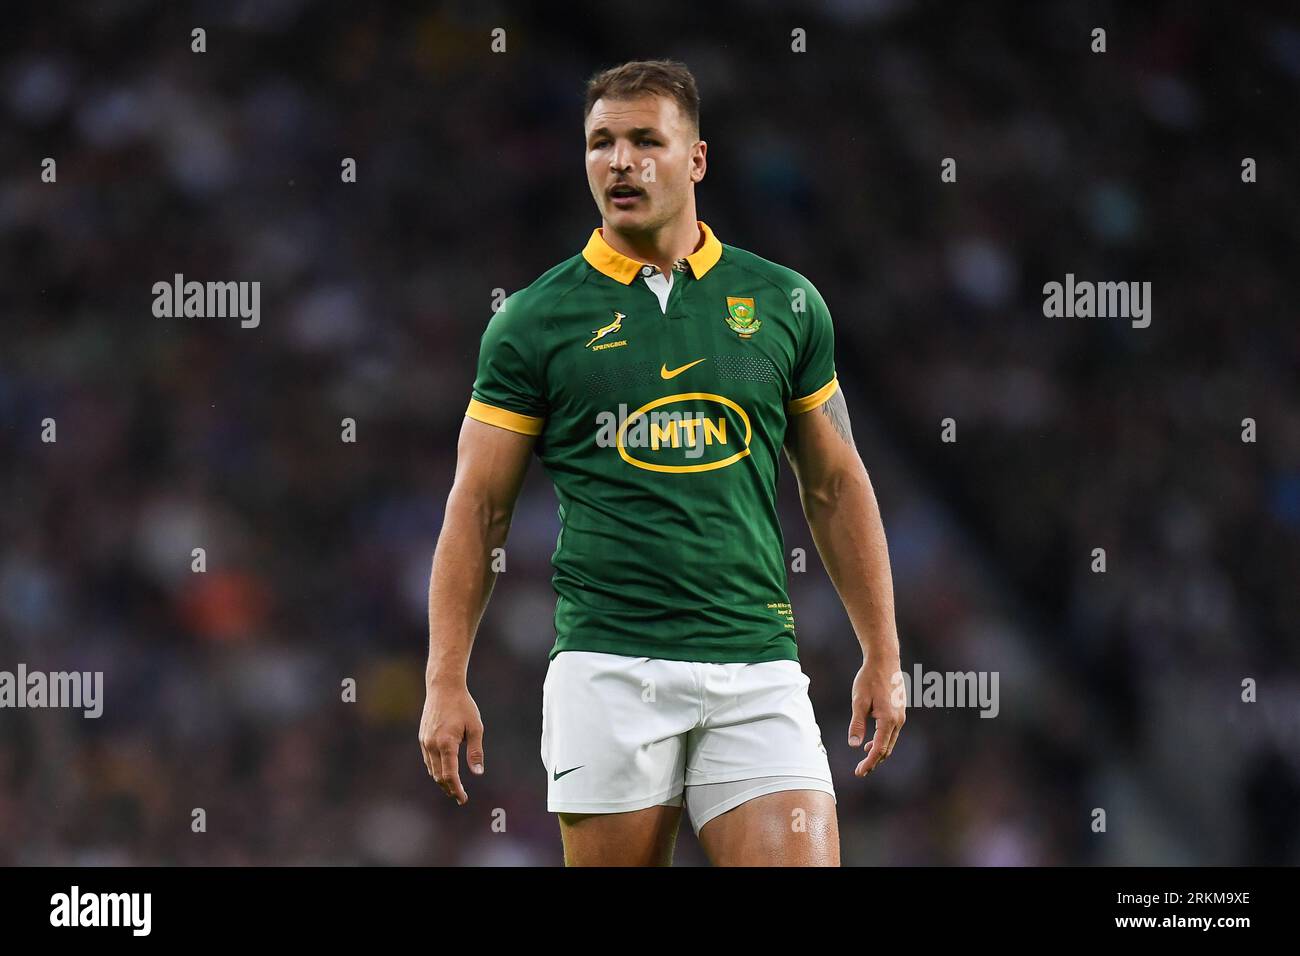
(844, 518)
(491, 463)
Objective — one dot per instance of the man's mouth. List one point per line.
(623, 195)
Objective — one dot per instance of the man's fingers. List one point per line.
(858, 723)
(474, 748)
(425, 748)
(435, 764)
(450, 780)
(893, 739)
(875, 750)
(881, 746)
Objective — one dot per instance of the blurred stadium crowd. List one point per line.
(1120, 691)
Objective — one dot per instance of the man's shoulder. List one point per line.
(781, 276)
(538, 298)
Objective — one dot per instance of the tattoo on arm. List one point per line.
(837, 410)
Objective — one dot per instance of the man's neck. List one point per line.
(662, 248)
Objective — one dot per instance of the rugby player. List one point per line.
(658, 374)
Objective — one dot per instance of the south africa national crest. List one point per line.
(742, 317)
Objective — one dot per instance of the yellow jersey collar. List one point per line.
(603, 258)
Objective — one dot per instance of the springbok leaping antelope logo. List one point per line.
(612, 327)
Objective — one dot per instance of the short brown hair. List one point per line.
(668, 78)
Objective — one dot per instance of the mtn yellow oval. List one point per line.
(683, 469)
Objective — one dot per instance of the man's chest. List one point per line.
(685, 380)
(633, 343)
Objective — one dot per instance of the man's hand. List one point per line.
(876, 694)
(450, 716)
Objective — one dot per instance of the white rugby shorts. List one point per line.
(626, 733)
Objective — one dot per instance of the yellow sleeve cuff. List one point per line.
(513, 421)
(809, 402)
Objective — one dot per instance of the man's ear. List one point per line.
(699, 160)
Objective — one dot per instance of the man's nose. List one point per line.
(620, 161)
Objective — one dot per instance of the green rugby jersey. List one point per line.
(661, 426)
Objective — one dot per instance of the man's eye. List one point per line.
(649, 142)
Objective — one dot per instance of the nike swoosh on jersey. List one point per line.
(665, 373)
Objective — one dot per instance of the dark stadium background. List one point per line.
(1119, 691)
